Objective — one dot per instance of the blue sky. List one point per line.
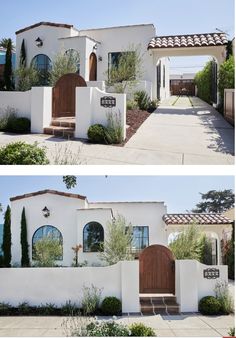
(180, 193)
(169, 17)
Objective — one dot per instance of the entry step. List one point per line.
(166, 305)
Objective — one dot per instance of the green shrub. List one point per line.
(46, 251)
(224, 297)
(7, 117)
(69, 308)
(141, 330)
(131, 104)
(5, 309)
(152, 106)
(203, 81)
(48, 309)
(22, 153)
(231, 332)
(20, 125)
(209, 305)
(226, 76)
(91, 299)
(111, 306)
(114, 130)
(24, 309)
(96, 133)
(142, 99)
(107, 329)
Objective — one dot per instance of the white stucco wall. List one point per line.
(191, 286)
(70, 215)
(57, 285)
(20, 101)
(62, 216)
(84, 216)
(41, 108)
(141, 214)
(48, 34)
(118, 39)
(89, 111)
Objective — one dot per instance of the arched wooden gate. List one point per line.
(63, 95)
(156, 270)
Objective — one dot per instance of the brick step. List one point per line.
(59, 131)
(63, 123)
(159, 305)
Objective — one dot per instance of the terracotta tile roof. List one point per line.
(193, 40)
(43, 23)
(47, 191)
(197, 218)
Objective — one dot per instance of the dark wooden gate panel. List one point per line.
(156, 270)
(93, 67)
(159, 81)
(63, 102)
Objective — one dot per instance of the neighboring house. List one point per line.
(182, 84)
(73, 220)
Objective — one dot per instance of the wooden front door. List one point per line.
(93, 67)
(63, 102)
(156, 270)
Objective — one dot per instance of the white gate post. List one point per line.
(41, 108)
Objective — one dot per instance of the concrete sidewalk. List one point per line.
(191, 325)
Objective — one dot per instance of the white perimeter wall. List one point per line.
(20, 101)
(58, 285)
(89, 111)
(191, 286)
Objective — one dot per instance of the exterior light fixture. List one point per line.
(100, 58)
(95, 47)
(46, 212)
(39, 42)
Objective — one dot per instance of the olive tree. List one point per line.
(126, 71)
(46, 251)
(118, 242)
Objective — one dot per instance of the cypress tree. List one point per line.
(24, 241)
(6, 245)
(23, 54)
(7, 75)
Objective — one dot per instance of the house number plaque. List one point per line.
(108, 101)
(211, 273)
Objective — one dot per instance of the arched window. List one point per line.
(47, 231)
(43, 64)
(75, 58)
(93, 237)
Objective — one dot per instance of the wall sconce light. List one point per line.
(95, 47)
(46, 212)
(100, 58)
(39, 42)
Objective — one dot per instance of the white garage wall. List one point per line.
(57, 285)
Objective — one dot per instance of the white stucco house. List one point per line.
(178, 285)
(79, 100)
(76, 221)
(97, 50)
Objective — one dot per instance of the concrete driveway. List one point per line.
(190, 325)
(189, 128)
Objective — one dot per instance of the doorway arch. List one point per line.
(157, 270)
(93, 67)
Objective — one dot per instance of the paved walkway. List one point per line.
(165, 326)
(189, 128)
(179, 134)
